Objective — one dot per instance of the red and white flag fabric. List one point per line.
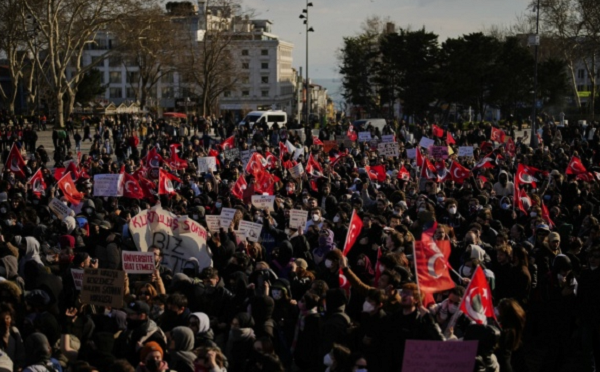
(148, 187)
(265, 183)
(153, 159)
(131, 187)
(485, 162)
(449, 139)
(431, 260)
(69, 190)
(344, 283)
(351, 134)
(437, 131)
(429, 172)
(442, 171)
(477, 302)
(15, 162)
(376, 172)
(38, 185)
(546, 216)
(403, 174)
(525, 175)
(165, 183)
(174, 161)
(239, 187)
(354, 230)
(459, 173)
(256, 165)
(229, 143)
(419, 158)
(498, 135)
(317, 141)
(313, 167)
(522, 200)
(588, 176)
(511, 148)
(575, 166)
(282, 150)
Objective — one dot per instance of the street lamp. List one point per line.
(536, 42)
(304, 16)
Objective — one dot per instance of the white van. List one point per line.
(271, 117)
(364, 123)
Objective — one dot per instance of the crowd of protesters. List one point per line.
(294, 300)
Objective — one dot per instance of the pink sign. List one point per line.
(436, 356)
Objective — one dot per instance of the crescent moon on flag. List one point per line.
(14, 165)
(67, 187)
(37, 185)
(127, 186)
(344, 280)
(431, 265)
(476, 314)
(169, 186)
(154, 163)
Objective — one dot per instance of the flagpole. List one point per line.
(348, 232)
(416, 271)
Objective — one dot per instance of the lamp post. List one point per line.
(308, 29)
(534, 139)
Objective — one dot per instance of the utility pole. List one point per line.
(534, 138)
(308, 29)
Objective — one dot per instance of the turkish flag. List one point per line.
(256, 164)
(354, 229)
(449, 139)
(175, 161)
(376, 172)
(317, 141)
(586, 177)
(442, 171)
(229, 143)
(338, 157)
(420, 159)
(546, 216)
(165, 185)
(477, 302)
(522, 200)
(147, 186)
(282, 150)
(511, 148)
(574, 167)
(312, 166)
(431, 259)
(525, 174)
(429, 172)
(38, 185)
(214, 153)
(15, 162)
(69, 190)
(131, 187)
(485, 162)
(498, 135)
(265, 183)
(437, 131)
(153, 159)
(344, 283)
(271, 161)
(403, 174)
(239, 187)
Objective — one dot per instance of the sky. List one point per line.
(334, 19)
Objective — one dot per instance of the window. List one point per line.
(130, 92)
(580, 88)
(167, 92)
(133, 77)
(245, 79)
(168, 78)
(245, 93)
(227, 94)
(264, 80)
(264, 52)
(244, 52)
(264, 93)
(580, 74)
(98, 61)
(245, 65)
(115, 77)
(115, 61)
(264, 65)
(116, 93)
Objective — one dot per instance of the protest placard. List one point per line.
(297, 171)
(465, 151)
(108, 185)
(231, 154)
(426, 142)
(213, 222)
(60, 209)
(298, 218)
(179, 237)
(251, 230)
(262, 202)
(207, 164)
(436, 356)
(245, 156)
(138, 262)
(343, 139)
(388, 149)
(388, 138)
(439, 152)
(103, 287)
(364, 136)
(77, 275)
(411, 153)
(226, 217)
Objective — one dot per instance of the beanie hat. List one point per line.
(66, 241)
(148, 348)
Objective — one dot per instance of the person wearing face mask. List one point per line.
(240, 342)
(305, 350)
(315, 219)
(285, 316)
(371, 334)
(327, 202)
(328, 270)
(444, 314)
(151, 358)
(216, 300)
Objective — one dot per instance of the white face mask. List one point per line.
(218, 205)
(466, 271)
(368, 307)
(452, 210)
(316, 217)
(327, 360)
(89, 210)
(505, 206)
(440, 199)
(336, 219)
(305, 200)
(328, 264)
(276, 294)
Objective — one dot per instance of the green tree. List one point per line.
(90, 87)
(553, 82)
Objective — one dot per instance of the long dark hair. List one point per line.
(512, 318)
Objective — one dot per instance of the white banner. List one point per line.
(60, 209)
(262, 202)
(179, 238)
(298, 218)
(426, 142)
(411, 153)
(138, 262)
(207, 164)
(213, 223)
(108, 185)
(226, 217)
(251, 230)
(465, 151)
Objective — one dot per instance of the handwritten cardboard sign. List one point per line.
(60, 209)
(388, 149)
(465, 151)
(439, 152)
(262, 202)
(436, 356)
(364, 136)
(231, 154)
(251, 230)
(77, 275)
(297, 171)
(108, 185)
(103, 287)
(207, 164)
(226, 217)
(298, 218)
(138, 262)
(213, 222)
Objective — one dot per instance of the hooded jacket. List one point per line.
(32, 253)
(182, 357)
(205, 335)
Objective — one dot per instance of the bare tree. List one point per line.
(67, 27)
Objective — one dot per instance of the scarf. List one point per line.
(300, 326)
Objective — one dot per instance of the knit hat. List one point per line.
(66, 241)
(148, 348)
